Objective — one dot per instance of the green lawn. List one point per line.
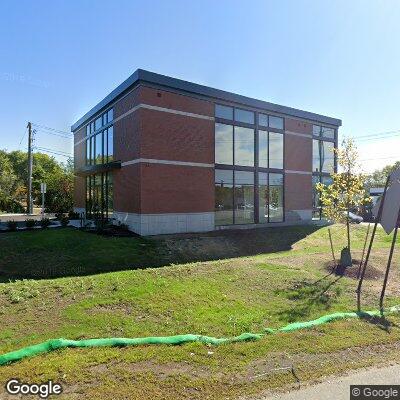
(218, 298)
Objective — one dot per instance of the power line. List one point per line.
(376, 138)
(55, 134)
(57, 152)
(26, 130)
(52, 129)
(378, 134)
(46, 148)
(380, 158)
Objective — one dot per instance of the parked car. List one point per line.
(354, 218)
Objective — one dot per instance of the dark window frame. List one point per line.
(256, 168)
(91, 138)
(90, 185)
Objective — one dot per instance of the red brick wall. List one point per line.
(176, 189)
(167, 136)
(166, 99)
(126, 183)
(298, 153)
(127, 103)
(298, 157)
(298, 192)
(127, 137)
(298, 126)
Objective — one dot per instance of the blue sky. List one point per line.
(338, 58)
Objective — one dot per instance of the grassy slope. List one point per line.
(219, 298)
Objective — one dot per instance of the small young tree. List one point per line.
(347, 190)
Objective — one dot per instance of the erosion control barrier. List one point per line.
(56, 344)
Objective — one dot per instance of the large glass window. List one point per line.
(110, 194)
(275, 199)
(98, 123)
(237, 198)
(263, 149)
(88, 152)
(316, 130)
(262, 119)
(327, 157)
(323, 156)
(275, 122)
(92, 150)
(110, 144)
(99, 195)
(262, 197)
(223, 144)
(328, 132)
(244, 197)
(99, 149)
(110, 115)
(244, 116)
(223, 197)
(224, 112)
(244, 146)
(317, 207)
(275, 150)
(315, 180)
(323, 131)
(316, 156)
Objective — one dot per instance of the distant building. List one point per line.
(165, 156)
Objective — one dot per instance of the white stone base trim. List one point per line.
(298, 215)
(167, 162)
(292, 171)
(158, 224)
(304, 135)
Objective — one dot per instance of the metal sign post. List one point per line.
(386, 213)
(43, 189)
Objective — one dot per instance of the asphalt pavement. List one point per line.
(339, 388)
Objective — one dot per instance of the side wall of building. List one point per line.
(165, 141)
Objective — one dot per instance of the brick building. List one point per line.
(165, 155)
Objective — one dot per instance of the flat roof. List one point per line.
(164, 81)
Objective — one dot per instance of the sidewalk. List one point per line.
(339, 388)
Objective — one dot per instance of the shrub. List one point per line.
(12, 225)
(30, 223)
(64, 220)
(59, 216)
(44, 223)
(123, 227)
(100, 224)
(73, 215)
(11, 206)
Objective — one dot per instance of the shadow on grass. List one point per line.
(311, 296)
(378, 320)
(68, 252)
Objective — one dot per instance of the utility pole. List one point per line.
(29, 208)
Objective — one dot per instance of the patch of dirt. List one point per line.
(217, 245)
(278, 362)
(160, 370)
(111, 308)
(371, 273)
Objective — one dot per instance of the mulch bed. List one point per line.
(371, 273)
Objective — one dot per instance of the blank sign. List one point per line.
(391, 205)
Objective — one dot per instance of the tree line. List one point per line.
(58, 176)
